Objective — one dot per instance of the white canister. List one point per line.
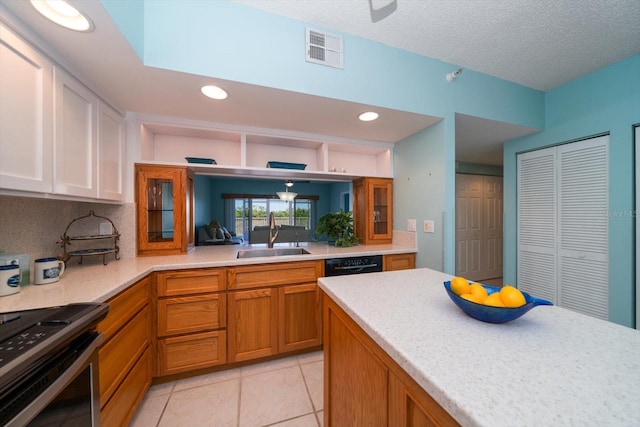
(47, 270)
(9, 279)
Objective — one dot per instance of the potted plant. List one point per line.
(338, 226)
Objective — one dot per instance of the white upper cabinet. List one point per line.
(76, 140)
(111, 131)
(26, 125)
(56, 135)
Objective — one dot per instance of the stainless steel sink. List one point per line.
(255, 253)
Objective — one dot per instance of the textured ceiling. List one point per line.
(537, 43)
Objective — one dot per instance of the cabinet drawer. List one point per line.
(117, 356)
(121, 407)
(186, 353)
(267, 275)
(195, 281)
(399, 262)
(123, 306)
(191, 314)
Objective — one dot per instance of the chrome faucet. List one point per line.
(273, 231)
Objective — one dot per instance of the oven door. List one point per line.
(64, 390)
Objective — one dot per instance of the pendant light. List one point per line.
(286, 195)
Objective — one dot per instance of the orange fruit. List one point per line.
(511, 297)
(494, 300)
(478, 291)
(472, 298)
(460, 285)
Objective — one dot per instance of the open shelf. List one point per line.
(239, 152)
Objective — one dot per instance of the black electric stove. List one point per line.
(38, 347)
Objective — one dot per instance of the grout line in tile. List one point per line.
(239, 405)
(289, 419)
(164, 408)
(306, 386)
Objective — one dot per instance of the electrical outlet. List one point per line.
(429, 226)
(411, 225)
(106, 228)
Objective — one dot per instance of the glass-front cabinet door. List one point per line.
(373, 210)
(165, 209)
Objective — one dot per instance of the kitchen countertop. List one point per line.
(551, 367)
(96, 282)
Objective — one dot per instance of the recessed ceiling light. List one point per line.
(214, 92)
(368, 116)
(62, 13)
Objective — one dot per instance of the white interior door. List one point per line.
(493, 227)
(469, 189)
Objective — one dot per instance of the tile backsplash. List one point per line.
(33, 226)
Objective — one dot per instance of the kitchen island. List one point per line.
(551, 367)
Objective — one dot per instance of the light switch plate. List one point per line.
(429, 226)
(411, 225)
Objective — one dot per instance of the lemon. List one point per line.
(460, 285)
(511, 297)
(494, 300)
(478, 291)
(472, 298)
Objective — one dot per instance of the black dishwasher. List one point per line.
(352, 265)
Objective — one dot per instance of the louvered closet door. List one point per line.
(583, 224)
(537, 268)
(563, 225)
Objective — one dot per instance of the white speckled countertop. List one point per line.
(98, 283)
(551, 367)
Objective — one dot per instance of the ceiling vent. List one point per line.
(323, 48)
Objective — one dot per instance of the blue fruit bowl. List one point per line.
(491, 314)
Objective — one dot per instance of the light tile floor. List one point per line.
(285, 392)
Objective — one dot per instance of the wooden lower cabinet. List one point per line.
(364, 386)
(191, 352)
(394, 262)
(119, 411)
(191, 319)
(273, 308)
(299, 317)
(252, 324)
(125, 357)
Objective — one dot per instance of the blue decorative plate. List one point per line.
(285, 165)
(491, 314)
(201, 160)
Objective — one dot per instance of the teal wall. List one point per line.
(606, 101)
(209, 203)
(419, 193)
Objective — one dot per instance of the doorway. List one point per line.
(479, 227)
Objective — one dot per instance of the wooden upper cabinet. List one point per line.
(373, 210)
(164, 196)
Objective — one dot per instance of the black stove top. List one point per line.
(28, 337)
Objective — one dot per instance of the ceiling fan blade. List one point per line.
(378, 14)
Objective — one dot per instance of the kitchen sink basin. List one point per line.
(255, 253)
